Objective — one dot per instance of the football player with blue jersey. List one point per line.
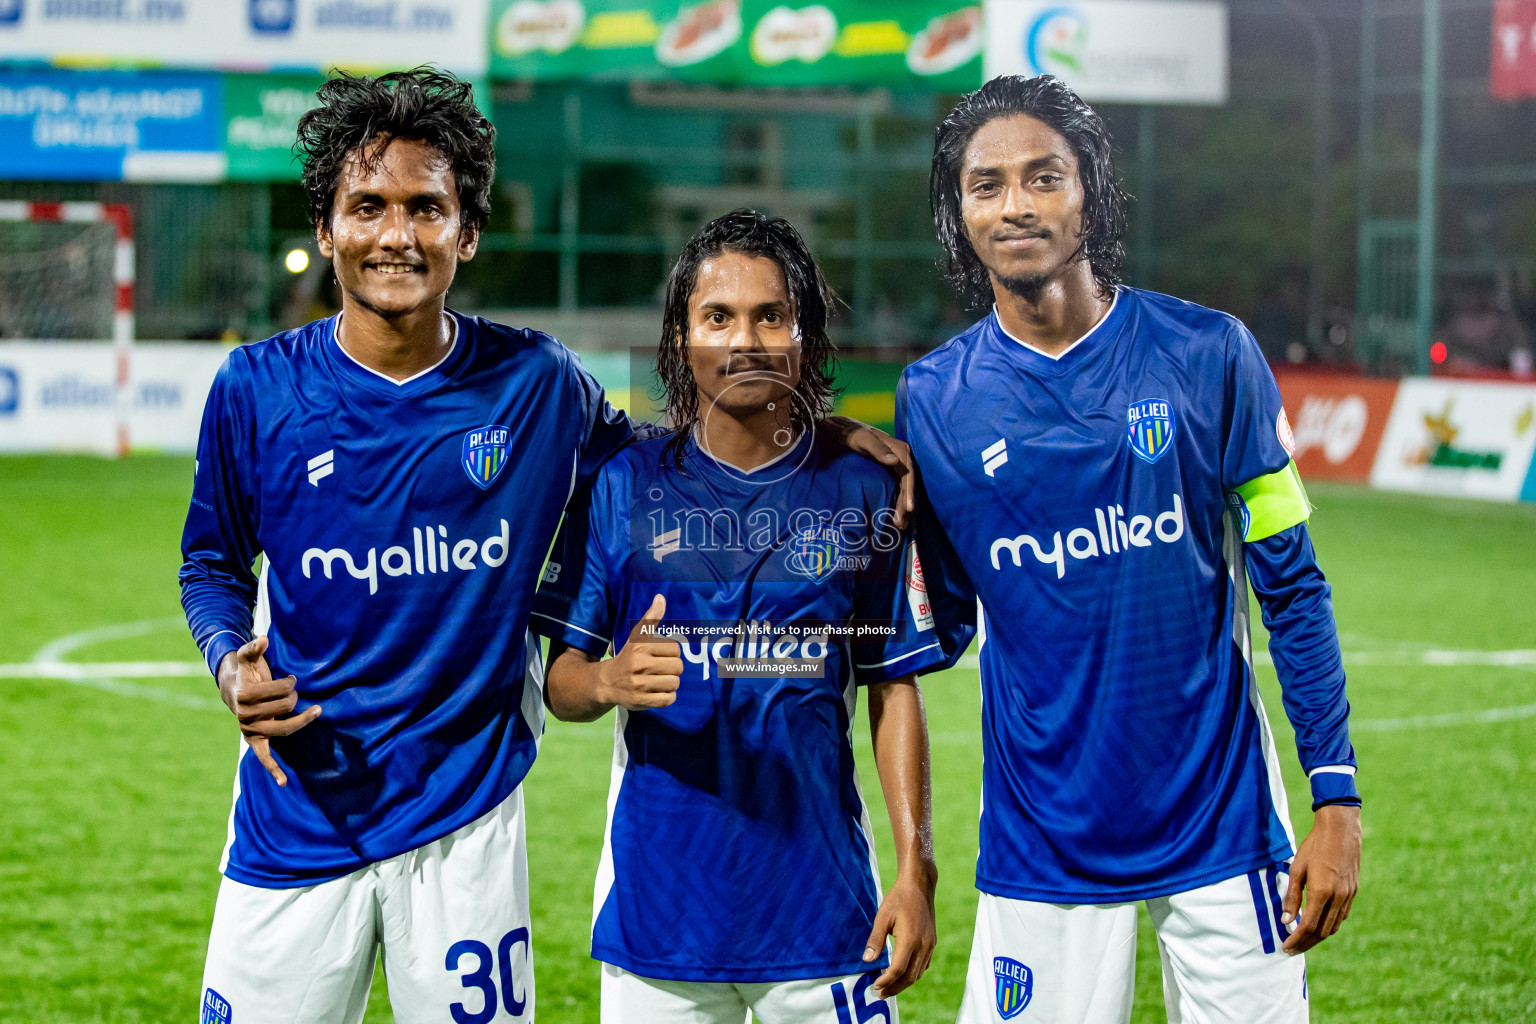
(400, 469)
(389, 465)
(750, 578)
(1110, 470)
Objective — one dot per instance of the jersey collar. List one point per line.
(416, 383)
(1074, 353)
(776, 468)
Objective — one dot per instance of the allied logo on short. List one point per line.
(216, 1009)
(485, 454)
(1015, 986)
(1150, 422)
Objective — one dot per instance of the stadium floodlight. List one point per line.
(60, 289)
(297, 261)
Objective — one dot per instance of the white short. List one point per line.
(1048, 963)
(631, 999)
(451, 916)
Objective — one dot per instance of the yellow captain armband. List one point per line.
(1271, 503)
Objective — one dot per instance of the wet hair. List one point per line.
(752, 234)
(1046, 99)
(424, 105)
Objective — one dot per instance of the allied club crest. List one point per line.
(1015, 986)
(1150, 422)
(815, 552)
(216, 1009)
(485, 454)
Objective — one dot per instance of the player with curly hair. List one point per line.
(400, 469)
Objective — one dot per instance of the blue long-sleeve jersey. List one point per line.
(1110, 507)
(401, 527)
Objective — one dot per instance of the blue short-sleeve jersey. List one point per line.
(401, 528)
(1098, 503)
(738, 844)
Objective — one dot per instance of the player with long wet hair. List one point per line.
(737, 870)
(776, 240)
(401, 469)
(1109, 470)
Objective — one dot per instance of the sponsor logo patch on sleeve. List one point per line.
(1283, 432)
(917, 591)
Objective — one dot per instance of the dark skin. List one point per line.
(1021, 200)
(395, 239)
(1022, 203)
(745, 358)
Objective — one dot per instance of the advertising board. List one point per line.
(1472, 439)
(111, 126)
(61, 397)
(1117, 51)
(761, 42)
(251, 35)
(1338, 420)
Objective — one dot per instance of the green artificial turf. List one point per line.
(113, 801)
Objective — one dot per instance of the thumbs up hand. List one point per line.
(646, 672)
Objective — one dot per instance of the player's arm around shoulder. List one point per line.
(899, 730)
(582, 686)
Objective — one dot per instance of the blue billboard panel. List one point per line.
(111, 126)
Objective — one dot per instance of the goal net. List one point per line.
(66, 274)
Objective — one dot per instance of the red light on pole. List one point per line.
(1437, 352)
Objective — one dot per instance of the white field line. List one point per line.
(104, 670)
(56, 650)
(1429, 657)
(110, 676)
(1403, 656)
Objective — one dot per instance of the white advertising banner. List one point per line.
(250, 34)
(1114, 51)
(60, 396)
(1472, 439)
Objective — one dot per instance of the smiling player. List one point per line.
(1110, 469)
(401, 470)
(738, 868)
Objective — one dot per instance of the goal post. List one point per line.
(46, 266)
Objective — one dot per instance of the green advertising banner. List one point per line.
(261, 115)
(261, 118)
(932, 43)
(864, 42)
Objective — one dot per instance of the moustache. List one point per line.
(774, 363)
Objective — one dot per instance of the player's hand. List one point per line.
(894, 455)
(646, 673)
(906, 915)
(1327, 867)
(261, 702)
